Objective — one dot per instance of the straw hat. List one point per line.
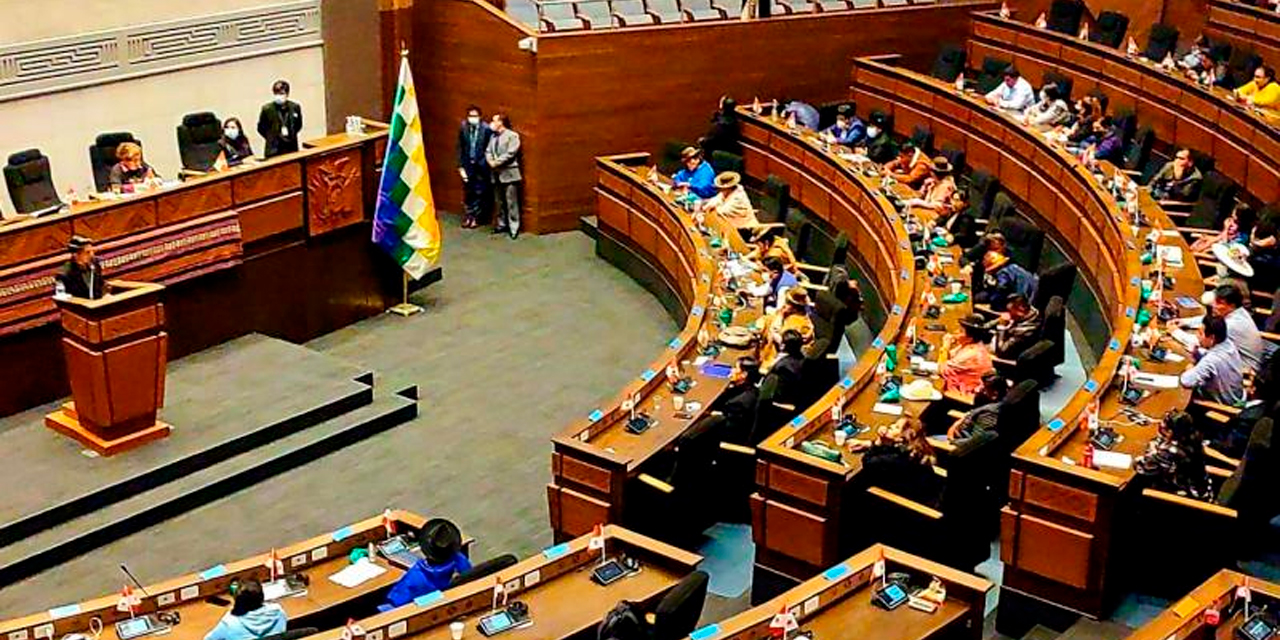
(797, 296)
(920, 389)
(941, 165)
(689, 152)
(993, 260)
(728, 180)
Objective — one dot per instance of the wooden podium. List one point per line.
(116, 350)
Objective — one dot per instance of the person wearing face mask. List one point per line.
(280, 122)
(234, 143)
(473, 140)
(1050, 111)
(848, 129)
(878, 145)
(503, 158)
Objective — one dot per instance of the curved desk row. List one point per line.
(1244, 141)
(1242, 23)
(1057, 530)
(838, 604)
(317, 558)
(1186, 618)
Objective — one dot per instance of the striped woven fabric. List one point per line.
(166, 255)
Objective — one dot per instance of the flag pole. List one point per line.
(405, 308)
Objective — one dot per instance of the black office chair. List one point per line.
(922, 138)
(1161, 41)
(957, 159)
(820, 372)
(1203, 161)
(1138, 154)
(775, 200)
(1111, 29)
(483, 569)
(1057, 280)
(796, 229)
(670, 504)
(1065, 16)
(102, 156)
(1217, 200)
(723, 161)
(1055, 331)
(831, 316)
(669, 160)
(771, 411)
(991, 73)
(293, 634)
(1065, 84)
(1127, 121)
(30, 182)
(1240, 68)
(950, 63)
(198, 137)
(1025, 240)
(677, 613)
(1001, 207)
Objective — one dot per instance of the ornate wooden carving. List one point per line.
(335, 195)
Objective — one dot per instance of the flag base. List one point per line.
(405, 309)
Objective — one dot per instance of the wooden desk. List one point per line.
(1244, 142)
(317, 558)
(1185, 619)
(1244, 25)
(1056, 534)
(296, 214)
(837, 604)
(555, 584)
(593, 458)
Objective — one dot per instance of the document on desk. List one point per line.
(1172, 255)
(1188, 340)
(1113, 459)
(357, 574)
(1145, 380)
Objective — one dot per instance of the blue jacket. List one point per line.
(267, 620)
(851, 136)
(806, 115)
(424, 578)
(701, 181)
(784, 281)
(1008, 280)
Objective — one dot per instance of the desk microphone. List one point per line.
(129, 573)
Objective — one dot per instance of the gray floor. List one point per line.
(519, 339)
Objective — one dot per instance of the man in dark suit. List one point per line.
(81, 277)
(280, 121)
(473, 140)
(738, 402)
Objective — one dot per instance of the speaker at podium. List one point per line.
(116, 352)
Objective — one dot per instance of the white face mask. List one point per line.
(1044, 96)
(281, 99)
(873, 131)
(473, 120)
(232, 132)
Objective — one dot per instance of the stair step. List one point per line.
(53, 546)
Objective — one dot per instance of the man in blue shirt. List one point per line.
(1004, 278)
(441, 543)
(1218, 374)
(697, 174)
(804, 113)
(848, 129)
(779, 281)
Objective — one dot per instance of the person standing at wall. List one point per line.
(503, 156)
(280, 122)
(477, 188)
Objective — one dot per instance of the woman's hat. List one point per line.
(920, 389)
(974, 321)
(439, 540)
(941, 165)
(797, 296)
(689, 153)
(728, 180)
(992, 260)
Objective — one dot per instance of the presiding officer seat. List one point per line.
(30, 182)
(198, 137)
(102, 156)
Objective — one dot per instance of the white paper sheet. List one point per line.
(357, 574)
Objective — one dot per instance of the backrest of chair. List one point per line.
(1024, 238)
(983, 188)
(949, 63)
(723, 161)
(483, 569)
(30, 182)
(775, 200)
(1138, 152)
(922, 138)
(669, 161)
(1065, 15)
(991, 73)
(797, 230)
(1019, 415)
(956, 157)
(695, 452)
(1112, 27)
(840, 250)
(1055, 320)
(102, 156)
(198, 137)
(677, 613)
(1217, 199)
(1065, 84)
(1057, 280)
(819, 247)
(1250, 489)
(1001, 207)
(1160, 41)
(1220, 51)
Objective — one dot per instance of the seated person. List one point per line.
(1014, 94)
(1174, 461)
(1237, 228)
(1242, 331)
(964, 357)
(958, 223)
(878, 146)
(250, 617)
(131, 169)
(848, 129)
(793, 316)
(441, 543)
(938, 191)
(1264, 250)
(805, 114)
(1263, 91)
(725, 133)
(781, 280)
(768, 240)
(912, 167)
(81, 276)
(1106, 144)
(900, 460)
(738, 402)
(1050, 111)
(1178, 180)
(1197, 55)
(1217, 375)
(731, 201)
(788, 367)
(1017, 328)
(979, 423)
(234, 143)
(1002, 278)
(697, 175)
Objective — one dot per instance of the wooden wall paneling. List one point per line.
(798, 485)
(194, 202)
(1263, 181)
(643, 233)
(1014, 178)
(1033, 69)
(256, 185)
(32, 240)
(981, 155)
(945, 135)
(579, 513)
(1231, 160)
(271, 217)
(355, 82)
(113, 222)
(1191, 134)
(612, 213)
(1053, 551)
(907, 119)
(794, 533)
(1060, 498)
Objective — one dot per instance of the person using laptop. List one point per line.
(441, 543)
(250, 617)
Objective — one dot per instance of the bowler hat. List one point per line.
(439, 540)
